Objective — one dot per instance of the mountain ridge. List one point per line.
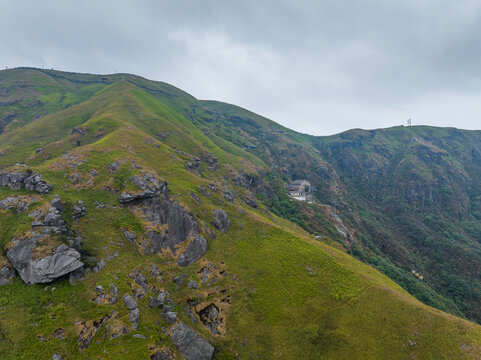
(277, 291)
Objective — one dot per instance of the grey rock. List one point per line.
(156, 302)
(99, 288)
(139, 279)
(181, 224)
(179, 279)
(113, 288)
(139, 336)
(6, 275)
(93, 173)
(114, 166)
(52, 219)
(58, 204)
(205, 273)
(79, 130)
(9, 203)
(195, 198)
(229, 195)
(36, 183)
(167, 308)
(75, 178)
(57, 356)
(130, 236)
(78, 210)
(148, 185)
(194, 166)
(130, 302)
(192, 284)
(210, 318)
(191, 345)
(251, 201)
(134, 317)
(33, 182)
(99, 266)
(76, 275)
(221, 221)
(87, 333)
(170, 317)
(155, 271)
(62, 261)
(196, 248)
(13, 180)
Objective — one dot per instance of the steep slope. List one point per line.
(141, 178)
(407, 198)
(415, 192)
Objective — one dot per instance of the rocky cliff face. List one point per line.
(171, 226)
(39, 256)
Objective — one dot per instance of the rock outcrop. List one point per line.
(221, 221)
(61, 261)
(251, 201)
(39, 256)
(6, 275)
(149, 187)
(191, 345)
(78, 210)
(134, 313)
(194, 251)
(181, 225)
(19, 202)
(33, 182)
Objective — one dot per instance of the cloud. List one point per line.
(316, 66)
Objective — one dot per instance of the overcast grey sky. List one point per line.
(319, 67)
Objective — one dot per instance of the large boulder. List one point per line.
(221, 221)
(191, 345)
(62, 260)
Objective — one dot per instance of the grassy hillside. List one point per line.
(280, 294)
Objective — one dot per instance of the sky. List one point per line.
(315, 66)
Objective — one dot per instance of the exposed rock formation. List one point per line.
(78, 210)
(148, 185)
(251, 201)
(194, 251)
(39, 256)
(6, 275)
(62, 261)
(134, 313)
(210, 318)
(32, 182)
(181, 227)
(221, 220)
(19, 202)
(191, 345)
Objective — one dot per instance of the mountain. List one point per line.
(140, 222)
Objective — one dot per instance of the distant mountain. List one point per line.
(139, 222)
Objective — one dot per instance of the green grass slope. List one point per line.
(281, 294)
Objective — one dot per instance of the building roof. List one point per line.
(298, 182)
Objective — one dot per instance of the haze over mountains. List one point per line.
(135, 216)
